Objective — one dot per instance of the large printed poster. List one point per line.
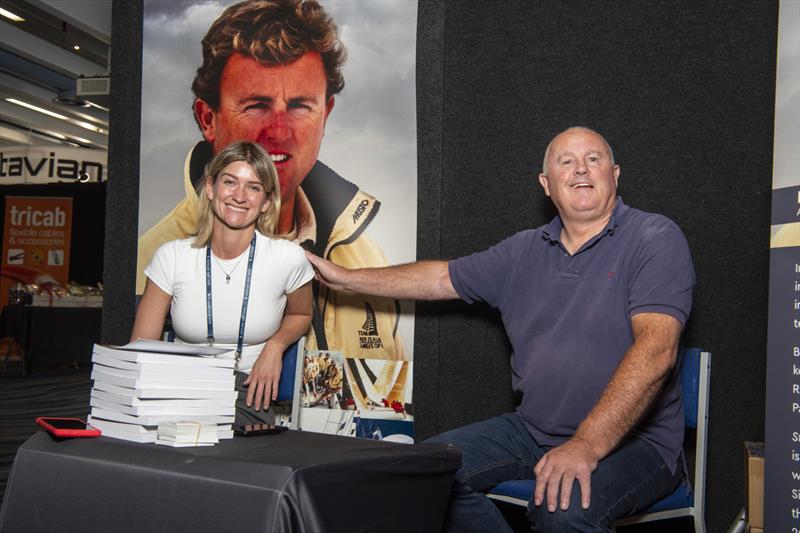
(353, 177)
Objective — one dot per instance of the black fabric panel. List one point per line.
(430, 135)
(53, 337)
(684, 93)
(123, 168)
(292, 482)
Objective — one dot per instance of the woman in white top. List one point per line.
(256, 287)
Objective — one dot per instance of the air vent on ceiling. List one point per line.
(93, 86)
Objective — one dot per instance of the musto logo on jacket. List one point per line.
(368, 336)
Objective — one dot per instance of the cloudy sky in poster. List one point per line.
(786, 169)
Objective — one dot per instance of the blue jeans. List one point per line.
(499, 449)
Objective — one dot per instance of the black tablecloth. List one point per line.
(53, 337)
(296, 481)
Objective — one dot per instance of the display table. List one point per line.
(53, 337)
(291, 482)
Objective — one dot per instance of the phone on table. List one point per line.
(67, 427)
(248, 430)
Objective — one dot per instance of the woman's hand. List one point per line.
(264, 377)
(266, 373)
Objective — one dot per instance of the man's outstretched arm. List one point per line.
(423, 280)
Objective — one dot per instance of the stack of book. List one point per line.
(187, 433)
(145, 383)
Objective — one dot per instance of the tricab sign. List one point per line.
(37, 236)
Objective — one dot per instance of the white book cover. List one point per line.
(118, 430)
(226, 376)
(165, 384)
(206, 435)
(184, 431)
(144, 393)
(160, 402)
(173, 348)
(169, 352)
(155, 410)
(222, 432)
(137, 433)
(162, 368)
(107, 414)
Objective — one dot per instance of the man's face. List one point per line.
(581, 178)
(282, 108)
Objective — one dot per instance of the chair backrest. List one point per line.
(690, 384)
(695, 381)
(289, 371)
(291, 377)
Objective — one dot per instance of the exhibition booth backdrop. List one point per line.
(684, 93)
(361, 193)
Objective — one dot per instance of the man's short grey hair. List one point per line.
(571, 128)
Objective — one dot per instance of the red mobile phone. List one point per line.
(67, 427)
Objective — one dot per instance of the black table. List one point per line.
(292, 482)
(53, 337)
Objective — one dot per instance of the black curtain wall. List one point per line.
(684, 93)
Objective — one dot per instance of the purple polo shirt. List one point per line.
(569, 317)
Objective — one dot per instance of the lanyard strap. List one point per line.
(245, 299)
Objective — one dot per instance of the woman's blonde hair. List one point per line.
(259, 161)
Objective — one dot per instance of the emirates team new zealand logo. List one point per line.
(368, 336)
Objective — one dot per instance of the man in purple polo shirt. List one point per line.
(594, 304)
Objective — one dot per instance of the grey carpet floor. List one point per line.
(56, 393)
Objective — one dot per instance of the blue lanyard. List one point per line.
(245, 299)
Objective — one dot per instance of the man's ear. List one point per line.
(545, 183)
(329, 108)
(204, 114)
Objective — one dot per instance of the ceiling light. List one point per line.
(36, 108)
(70, 137)
(11, 16)
(87, 126)
(76, 47)
(92, 104)
(80, 123)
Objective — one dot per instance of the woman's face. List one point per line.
(237, 196)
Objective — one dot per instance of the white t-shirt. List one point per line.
(279, 267)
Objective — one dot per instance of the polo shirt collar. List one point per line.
(304, 231)
(552, 231)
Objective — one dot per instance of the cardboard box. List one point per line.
(754, 486)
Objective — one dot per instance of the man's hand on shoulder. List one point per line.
(557, 471)
(328, 273)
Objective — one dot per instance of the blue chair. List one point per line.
(687, 499)
(291, 377)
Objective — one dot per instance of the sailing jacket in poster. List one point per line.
(356, 325)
